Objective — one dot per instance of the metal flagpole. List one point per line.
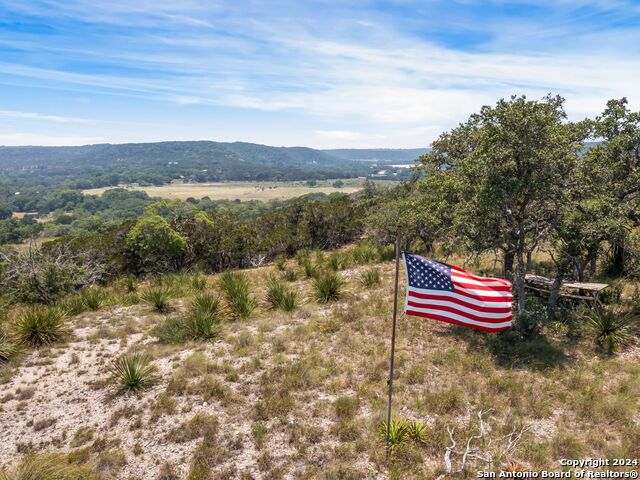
(393, 334)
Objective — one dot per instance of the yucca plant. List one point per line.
(370, 277)
(339, 260)
(73, 304)
(205, 315)
(48, 467)
(387, 253)
(289, 301)
(609, 329)
(281, 262)
(279, 296)
(158, 298)
(290, 275)
(133, 372)
(310, 270)
(40, 325)
(235, 286)
(94, 298)
(302, 255)
(328, 287)
(7, 347)
(198, 282)
(364, 254)
(417, 431)
(130, 284)
(398, 433)
(275, 293)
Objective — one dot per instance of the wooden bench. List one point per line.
(579, 291)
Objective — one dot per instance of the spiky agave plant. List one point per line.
(610, 330)
(205, 316)
(279, 296)
(398, 433)
(417, 431)
(133, 372)
(40, 325)
(235, 286)
(328, 287)
(94, 297)
(158, 298)
(370, 277)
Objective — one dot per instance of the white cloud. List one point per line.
(32, 138)
(39, 116)
(352, 78)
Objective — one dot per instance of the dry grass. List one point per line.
(302, 394)
(263, 191)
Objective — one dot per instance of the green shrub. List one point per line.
(158, 298)
(39, 325)
(171, 331)
(133, 372)
(345, 407)
(48, 467)
(535, 315)
(259, 430)
(371, 277)
(203, 321)
(235, 286)
(612, 294)
(279, 296)
(328, 287)
(609, 329)
(387, 253)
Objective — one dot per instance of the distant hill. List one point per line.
(159, 163)
(380, 155)
(94, 166)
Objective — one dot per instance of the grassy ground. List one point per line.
(303, 394)
(263, 191)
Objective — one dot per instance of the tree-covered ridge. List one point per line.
(32, 168)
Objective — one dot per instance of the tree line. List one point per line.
(516, 178)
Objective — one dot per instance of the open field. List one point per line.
(263, 191)
(302, 394)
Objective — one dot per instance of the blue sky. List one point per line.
(316, 73)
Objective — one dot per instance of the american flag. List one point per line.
(449, 294)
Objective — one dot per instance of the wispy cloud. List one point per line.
(355, 73)
(39, 116)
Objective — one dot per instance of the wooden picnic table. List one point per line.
(586, 291)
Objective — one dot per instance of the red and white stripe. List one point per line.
(482, 303)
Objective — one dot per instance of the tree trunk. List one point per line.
(561, 271)
(555, 290)
(529, 266)
(507, 264)
(594, 263)
(521, 271)
(619, 254)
